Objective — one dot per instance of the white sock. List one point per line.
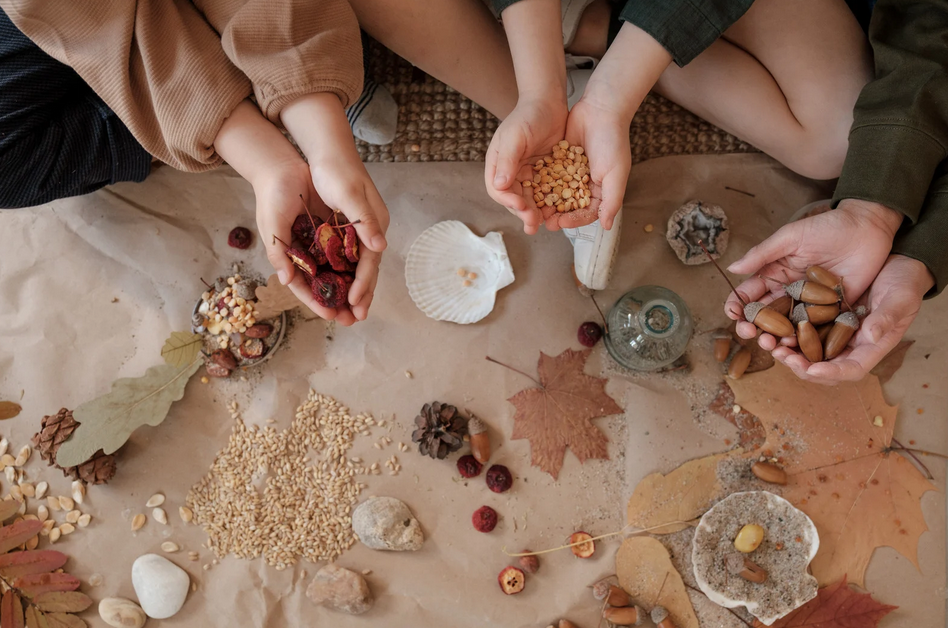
(374, 116)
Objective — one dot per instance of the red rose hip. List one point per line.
(484, 519)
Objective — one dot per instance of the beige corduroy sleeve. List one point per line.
(289, 48)
(157, 63)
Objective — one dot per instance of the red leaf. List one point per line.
(8, 508)
(558, 414)
(63, 602)
(35, 585)
(11, 611)
(19, 564)
(835, 606)
(62, 620)
(17, 534)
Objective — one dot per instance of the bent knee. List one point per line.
(819, 153)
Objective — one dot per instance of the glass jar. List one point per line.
(649, 327)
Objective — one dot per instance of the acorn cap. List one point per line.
(799, 314)
(475, 426)
(752, 309)
(659, 613)
(849, 319)
(795, 289)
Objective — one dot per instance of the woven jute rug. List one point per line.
(435, 123)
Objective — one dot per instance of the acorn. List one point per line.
(739, 363)
(722, 346)
(824, 277)
(812, 292)
(843, 329)
(820, 314)
(781, 305)
(480, 440)
(617, 597)
(824, 330)
(809, 341)
(624, 616)
(768, 320)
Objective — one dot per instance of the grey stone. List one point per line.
(341, 590)
(161, 586)
(386, 523)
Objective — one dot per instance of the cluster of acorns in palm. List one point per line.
(327, 253)
(810, 310)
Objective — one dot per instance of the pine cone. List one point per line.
(54, 431)
(440, 430)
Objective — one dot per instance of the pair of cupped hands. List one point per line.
(853, 241)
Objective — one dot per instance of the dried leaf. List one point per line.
(8, 509)
(558, 414)
(35, 585)
(11, 610)
(35, 619)
(107, 422)
(684, 494)
(181, 348)
(18, 533)
(646, 573)
(63, 602)
(16, 564)
(751, 434)
(841, 473)
(892, 362)
(8, 410)
(275, 298)
(836, 606)
(62, 620)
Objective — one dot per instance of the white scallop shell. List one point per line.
(434, 260)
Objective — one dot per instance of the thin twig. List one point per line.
(601, 536)
(728, 187)
(605, 325)
(720, 270)
(914, 457)
(730, 610)
(490, 359)
(658, 596)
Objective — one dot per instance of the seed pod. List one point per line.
(480, 440)
(781, 305)
(843, 329)
(738, 565)
(822, 276)
(739, 363)
(812, 292)
(624, 616)
(819, 314)
(617, 597)
(809, 341)
(722, 347)
(769, 473)
(768, 320)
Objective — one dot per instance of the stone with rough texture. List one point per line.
(161, 586)
(385, 523)
(121, 613)
(341, 590)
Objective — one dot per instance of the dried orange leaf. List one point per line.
(558, 414)
(35, 585)
(859, 494)
(16, 564)
(646, 573)
(8, 410)
(62, 620)
(835, 606)
(684, 494)
(17, 534)
(11, 611)
(63, 602)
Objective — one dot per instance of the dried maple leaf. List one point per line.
(835, 606)
(892, 362)
(275, 298)
(559, 413)
(834, 442)
(645, 571)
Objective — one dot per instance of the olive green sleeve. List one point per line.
(927, 239)
(685, 28)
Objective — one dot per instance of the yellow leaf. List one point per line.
(181, 348)
(646, 573)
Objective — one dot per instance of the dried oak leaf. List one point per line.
(835, 606)
(8, 410)
(275, 298)
(683, 495)
(181, 348)
(892, 362)
(841, 472)
(108, 421)
(558, 413)
(645, 571)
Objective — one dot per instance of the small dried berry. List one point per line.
(224, 358)
(240, 238)
(303, 260)
(530, 564)
(586, 547)
(330, 241)
(499, 479)
(512, 580)
(329, 289)
(251, 348)
(260, 330)
(216, 370)
(351, 243)
(349, 278)
(484, 519)
(469, 467)
(303, 229)
(589, 334)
